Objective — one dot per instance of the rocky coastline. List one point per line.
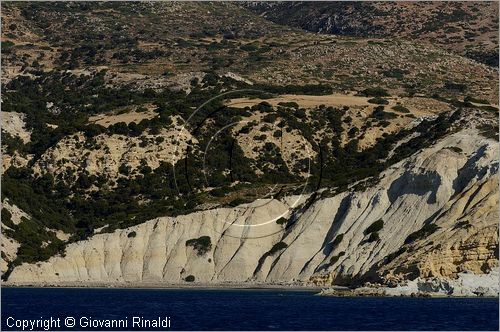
(466, 285)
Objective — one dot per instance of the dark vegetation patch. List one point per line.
(281, 221)
(336, 258)
(379, 114)
(337, 240)
(392, 256)
(374, 237)
(374, 92)
(489, 131)
(422, 233)
(378, 100)
(277, 247)
(463, 224)
(202, 245)
(395, 73)
(401, 109)
(375, 227)
(455, 87)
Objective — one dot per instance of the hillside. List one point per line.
(468, 28)
(353, 236)
(162, 148)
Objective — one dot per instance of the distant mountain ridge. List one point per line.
(468, 28)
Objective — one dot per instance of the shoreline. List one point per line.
(194, 286)
(341, 291)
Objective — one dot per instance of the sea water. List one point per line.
(190, 309)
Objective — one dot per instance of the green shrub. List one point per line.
(373, 237)
(281, 221)
(380, 114)
(352, 132)
(132, 234)
(202, 244)
(237, 201)
(378, 100)
(249, 47)
(270, 118)
(337, 239)
(189, 278)
(401, 109)
(124, 169)
(424, 232)
(375, 227)
(488, 131)
(389, 258)
(464, 224)
(375, 92)
(335, 258)
(452, 86)
(220, 192)
(7, 46)
(7, 218)
(278, 247)
(395, 73)
(290, 104)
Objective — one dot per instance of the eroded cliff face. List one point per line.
(433, 214)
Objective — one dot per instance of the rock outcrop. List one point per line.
(434, 214)
(466, 284)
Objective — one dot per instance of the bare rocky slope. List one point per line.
(434, 214)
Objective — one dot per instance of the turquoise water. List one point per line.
(241, 310)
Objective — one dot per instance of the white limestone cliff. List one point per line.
(455, 189)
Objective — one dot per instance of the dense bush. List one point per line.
(389, 258)
(202, 244)
(281, 221)
(374, 237)
(237, 201)
(378, 100)
(458, 87)
(336, 258)
(189, 278)
(401, 109)
(337, 239)
(489, 131)
(424, 232)
(375, 227)
(380, 114)
(277, 247)
(7, 46)
(374, 92)
(395, 73)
